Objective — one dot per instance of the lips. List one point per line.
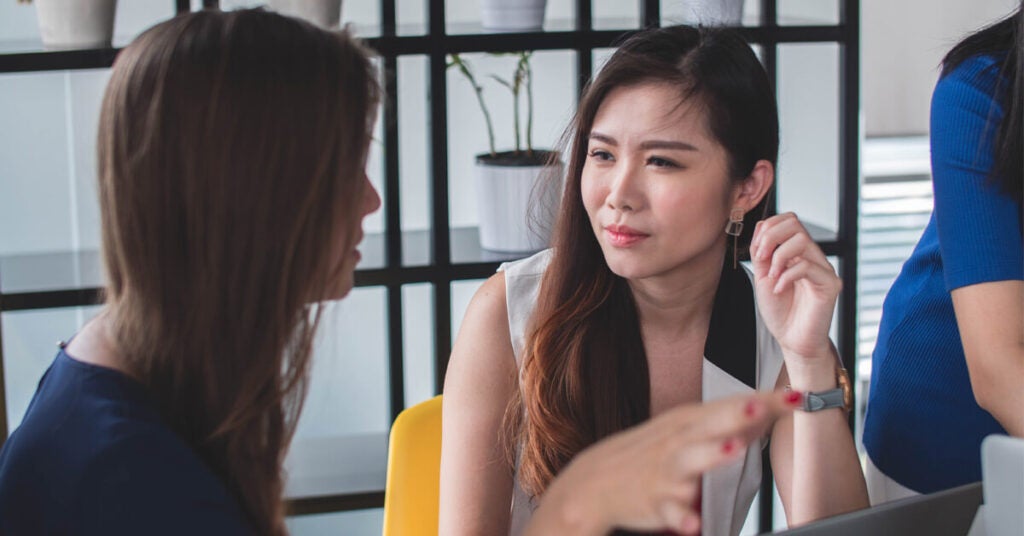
(355, 252)
(623, 236)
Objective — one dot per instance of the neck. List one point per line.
(675, 304)
(95, 345)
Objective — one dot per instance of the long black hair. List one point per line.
(1004, 38)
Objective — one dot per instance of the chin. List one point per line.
(341, 290)
(631, 268)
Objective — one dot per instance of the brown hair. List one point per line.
(231, 154)
(584, 373)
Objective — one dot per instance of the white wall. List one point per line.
(902, 43)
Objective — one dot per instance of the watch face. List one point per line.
(843, 379)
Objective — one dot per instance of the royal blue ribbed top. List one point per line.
(923, 427)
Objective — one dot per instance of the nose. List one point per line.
(371, 199)
(624, 191)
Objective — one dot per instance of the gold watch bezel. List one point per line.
(843, 380)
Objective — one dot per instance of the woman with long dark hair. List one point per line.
(948, 368)
(640, 307)
(232, 154)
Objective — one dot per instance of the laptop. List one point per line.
(1002, 471)
(944, 513)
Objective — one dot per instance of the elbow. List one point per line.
(982, 397)
(984, 384)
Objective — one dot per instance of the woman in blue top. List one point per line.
(949, 365)
(232, 154)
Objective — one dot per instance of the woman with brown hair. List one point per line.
(639, 307)
(231, 149)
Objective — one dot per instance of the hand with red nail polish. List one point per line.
(795, 398)
(649, 477)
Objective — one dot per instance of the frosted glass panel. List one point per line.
(357, 523)
(418, 342)
(340, 445)
(462, 293)
(49, 162)
(807, 12)
(29, 346)
(615, 14)
(86, 90)
(600, 56)
(374, 223)
(361, 13)
(808, 174)
(411, 17)
(413, 143)
(348, 381)
(36, 196)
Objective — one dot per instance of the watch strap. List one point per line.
(832, 398)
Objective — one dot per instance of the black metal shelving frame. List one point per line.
(441, 271)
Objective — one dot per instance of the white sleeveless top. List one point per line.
(728, 491)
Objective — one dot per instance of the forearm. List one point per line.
(999, 390)
(566, 514)
(826, 476)
(990, 318)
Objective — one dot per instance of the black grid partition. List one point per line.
(441, 241)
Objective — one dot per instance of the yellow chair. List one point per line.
(414, 471)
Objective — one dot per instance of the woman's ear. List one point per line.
(751, 190)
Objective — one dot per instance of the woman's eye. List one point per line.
(660, 162)
(600, 155)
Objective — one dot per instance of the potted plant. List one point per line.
(715, 12)
(72, 24)
(323, 13)
(516, 190)
(512, 15)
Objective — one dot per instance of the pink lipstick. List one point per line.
(622, 236)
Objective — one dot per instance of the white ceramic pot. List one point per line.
(512, 15)
(323, 13)
(69, 24)
(714, 12)
(517, 206)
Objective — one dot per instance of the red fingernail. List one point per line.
(751, 408)
(729, 446)
(691, 525)
(794, 398)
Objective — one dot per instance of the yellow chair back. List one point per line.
(414, 471)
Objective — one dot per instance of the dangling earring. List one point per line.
(734, 228)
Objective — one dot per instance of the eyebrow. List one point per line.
(646, 145)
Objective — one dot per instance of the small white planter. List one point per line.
(517, 206)
(512, 15)
(70, 24)
(323, 13)
(714, 12)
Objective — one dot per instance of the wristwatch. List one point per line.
(840, 397)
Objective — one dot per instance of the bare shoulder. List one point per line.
(487, 314)
(490, 297)
(482, 353)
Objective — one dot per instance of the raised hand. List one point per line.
(648, 477)
(796, 288)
